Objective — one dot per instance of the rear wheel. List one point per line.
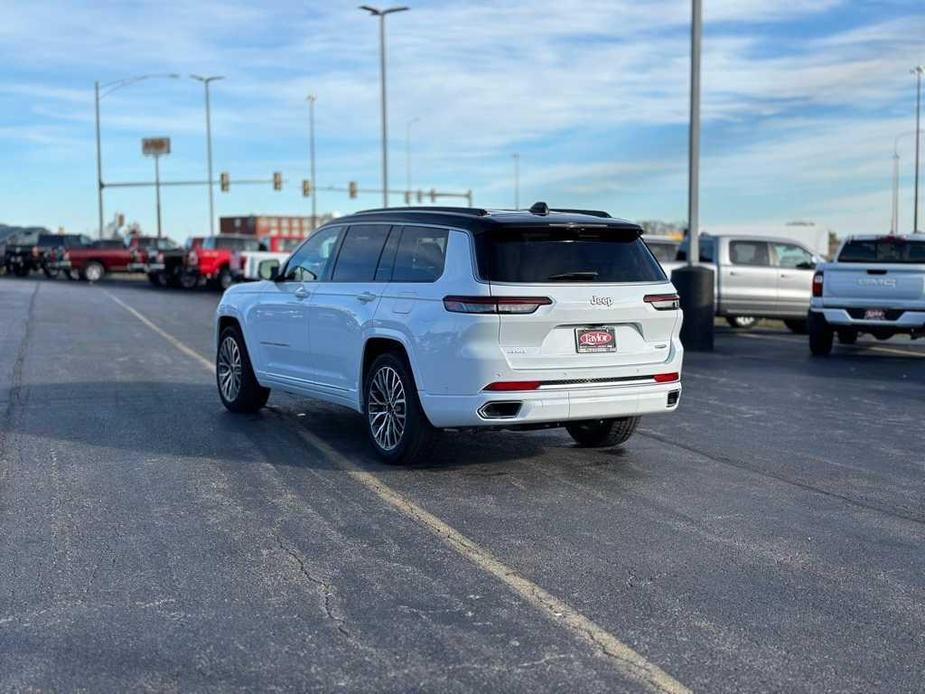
(237, 385)
(189, 280)
(742, 322)
(94, 271)
(21, 271)
(847, 336)
(601, 433)
(820, 335)
(225, 279)
(49, 272)
(156, 278)
(797, 326)
(395, 422)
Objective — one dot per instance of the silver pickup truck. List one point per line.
(875, 285)
(756, 277)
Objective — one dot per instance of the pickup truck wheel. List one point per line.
(847, 336)
(820, 335)
(797, 326)
(94, 271)
(237, 385)
(225, 279)
(21, 271)
(49, 272)
(396, 424)
(189, 280)
(601, 433)
(742, 322)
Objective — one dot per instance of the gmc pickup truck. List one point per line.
(876, 285)
(756, 277)
(92, 264)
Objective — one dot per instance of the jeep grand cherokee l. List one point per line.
(430, 318)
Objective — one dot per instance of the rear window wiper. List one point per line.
(581, 275)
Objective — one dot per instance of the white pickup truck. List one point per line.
(875, 285)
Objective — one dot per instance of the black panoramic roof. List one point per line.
(478, 219)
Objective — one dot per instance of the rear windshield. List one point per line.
(570, 255)
(230, 243)
(883, 251)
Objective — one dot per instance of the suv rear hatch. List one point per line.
(596, 278)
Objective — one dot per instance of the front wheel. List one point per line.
(742, 322)
(601, 433)
(225, 279)
(237, 385)
(94, 271)
(395, 421)
(820, 335)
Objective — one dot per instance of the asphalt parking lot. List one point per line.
(770, 536)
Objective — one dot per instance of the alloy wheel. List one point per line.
(229, 369)
(386, 408)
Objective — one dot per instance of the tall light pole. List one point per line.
(408, 154)
(516, 158)
(917, 71)
(381, 14)
(894, 224)
(694, 282)
(205, 83)
(311, 98)
(109, 88)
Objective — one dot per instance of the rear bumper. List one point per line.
(551, 406)
(909, 320)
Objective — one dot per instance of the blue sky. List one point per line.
(802, 100)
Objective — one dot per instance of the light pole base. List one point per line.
(695, 288)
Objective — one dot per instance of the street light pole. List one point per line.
(110, 87)
(894, 217)
(516, 157)
(311, 155)
(381, 14)
(917, 71)
(205, 83)
(157, 188)
(408, 154)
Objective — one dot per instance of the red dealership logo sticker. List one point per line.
(595, 338)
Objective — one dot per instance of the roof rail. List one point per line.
(469, 211)
(592, 213)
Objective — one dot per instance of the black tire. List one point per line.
(412, 438)
(21, 271)
(189, 280)
(93, 271)
(249, 395)
(49, 272)
(225, 279)
(847, 336)
(742, 322)
(602, 433)
(820, 335)
(156, 279)
(797, 326)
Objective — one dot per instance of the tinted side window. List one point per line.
(790, 255)
(749, 253)
(359, 254)
(421, 255)
(308, 264)
(706, 250)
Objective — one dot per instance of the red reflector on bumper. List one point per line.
(513, 385)
(667, 378)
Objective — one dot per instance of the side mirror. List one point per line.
(268, 269)
(807, 265)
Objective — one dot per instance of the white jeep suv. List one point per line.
(431, 318)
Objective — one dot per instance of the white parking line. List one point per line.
(857, 348)
(627, 661)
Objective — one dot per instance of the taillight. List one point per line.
(513, 385)
(817, 284)
(495, 304)
(667, 378)
(663, 302)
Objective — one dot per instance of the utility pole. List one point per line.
(694, 282)
(917, 71)
(311, 149)
(408, 154)
(157, 188)
(516, 157)
(99, 160)
(894, 217)
(205, 83)
(381, 14)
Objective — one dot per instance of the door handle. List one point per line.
(733, 273)
(366, 297)
(300, 293)
(784, 275)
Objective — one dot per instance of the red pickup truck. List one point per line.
(216, 259)
(92, 264)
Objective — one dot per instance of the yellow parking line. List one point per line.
(865, 348)
(627, 661)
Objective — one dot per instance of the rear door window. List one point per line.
(359, 254)
(753, 253)
(543, 255)
(883, 251)
(421, 254)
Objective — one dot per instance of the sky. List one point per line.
(802, 101)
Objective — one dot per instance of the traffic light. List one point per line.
(277, 180)
(433, 195)
(352, 189)
(306, 188)
(224, 181)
